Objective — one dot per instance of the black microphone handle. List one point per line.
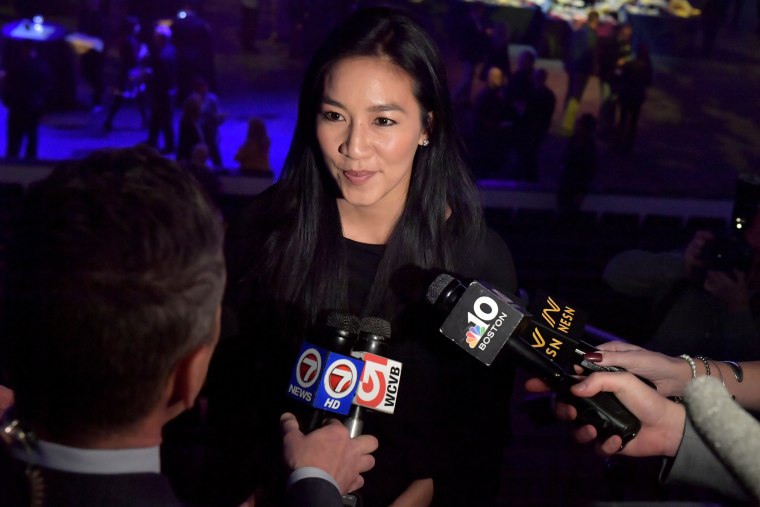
(603, 410)
(315, 419)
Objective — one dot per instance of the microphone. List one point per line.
(558, 314)
(339, 333)
(324, 376)
(378, 388)
(731, 432)
(483, 322)
(557, 332)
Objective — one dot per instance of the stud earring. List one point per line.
(425, 142)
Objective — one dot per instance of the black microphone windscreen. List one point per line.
(376, 326)
(343, 320)
(437, 287)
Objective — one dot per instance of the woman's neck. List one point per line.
(368, 225)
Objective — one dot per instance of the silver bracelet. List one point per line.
(692, 365)
(737, 369)
(722, 380)
(706, 363)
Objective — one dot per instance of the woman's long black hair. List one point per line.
(303, 258)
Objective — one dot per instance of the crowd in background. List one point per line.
(508, 114)
(164, 61)
(506, 119)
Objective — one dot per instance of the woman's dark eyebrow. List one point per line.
(379, 108)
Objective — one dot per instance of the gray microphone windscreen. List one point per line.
(732, 433)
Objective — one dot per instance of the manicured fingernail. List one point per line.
(594, 357)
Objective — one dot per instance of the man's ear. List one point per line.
(187, 378)
(190, 374)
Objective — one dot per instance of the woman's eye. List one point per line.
(332, 116)
(384, 122)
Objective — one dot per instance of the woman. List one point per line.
(253, 154)
(374, 182)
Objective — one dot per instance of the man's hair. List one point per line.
(115, 275)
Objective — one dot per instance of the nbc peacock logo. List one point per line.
(474, 334)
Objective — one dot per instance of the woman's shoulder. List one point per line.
(488, 258)
(485, 244)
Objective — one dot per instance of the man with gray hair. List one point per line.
(116, 280)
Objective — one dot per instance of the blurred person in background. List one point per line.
(635, 78)
(162, 80)
(25, 87)
(131, 75)
(253, 154)
(580, 59)
(579, 165)
(698, 305)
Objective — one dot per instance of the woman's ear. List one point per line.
(427, 129)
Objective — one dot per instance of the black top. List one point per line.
(452, 415)
(362, 259)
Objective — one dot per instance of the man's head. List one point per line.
(495, 78)
(116, 279)
(593, 19)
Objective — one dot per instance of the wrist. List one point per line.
(311, 473)
(674, 429)
(680, 378)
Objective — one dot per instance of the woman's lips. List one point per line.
(358, 177)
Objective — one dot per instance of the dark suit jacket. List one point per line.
(65, 489)
(313, 493)
(61, 489)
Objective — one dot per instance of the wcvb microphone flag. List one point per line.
(379, 384)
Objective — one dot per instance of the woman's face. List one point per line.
(369, 127)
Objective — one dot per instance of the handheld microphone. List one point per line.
(558, 314)
(483, 321)
(337, 385)
(339, 333)
(732, 433)
(324, 374)
(557, 330)
(378, 388)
